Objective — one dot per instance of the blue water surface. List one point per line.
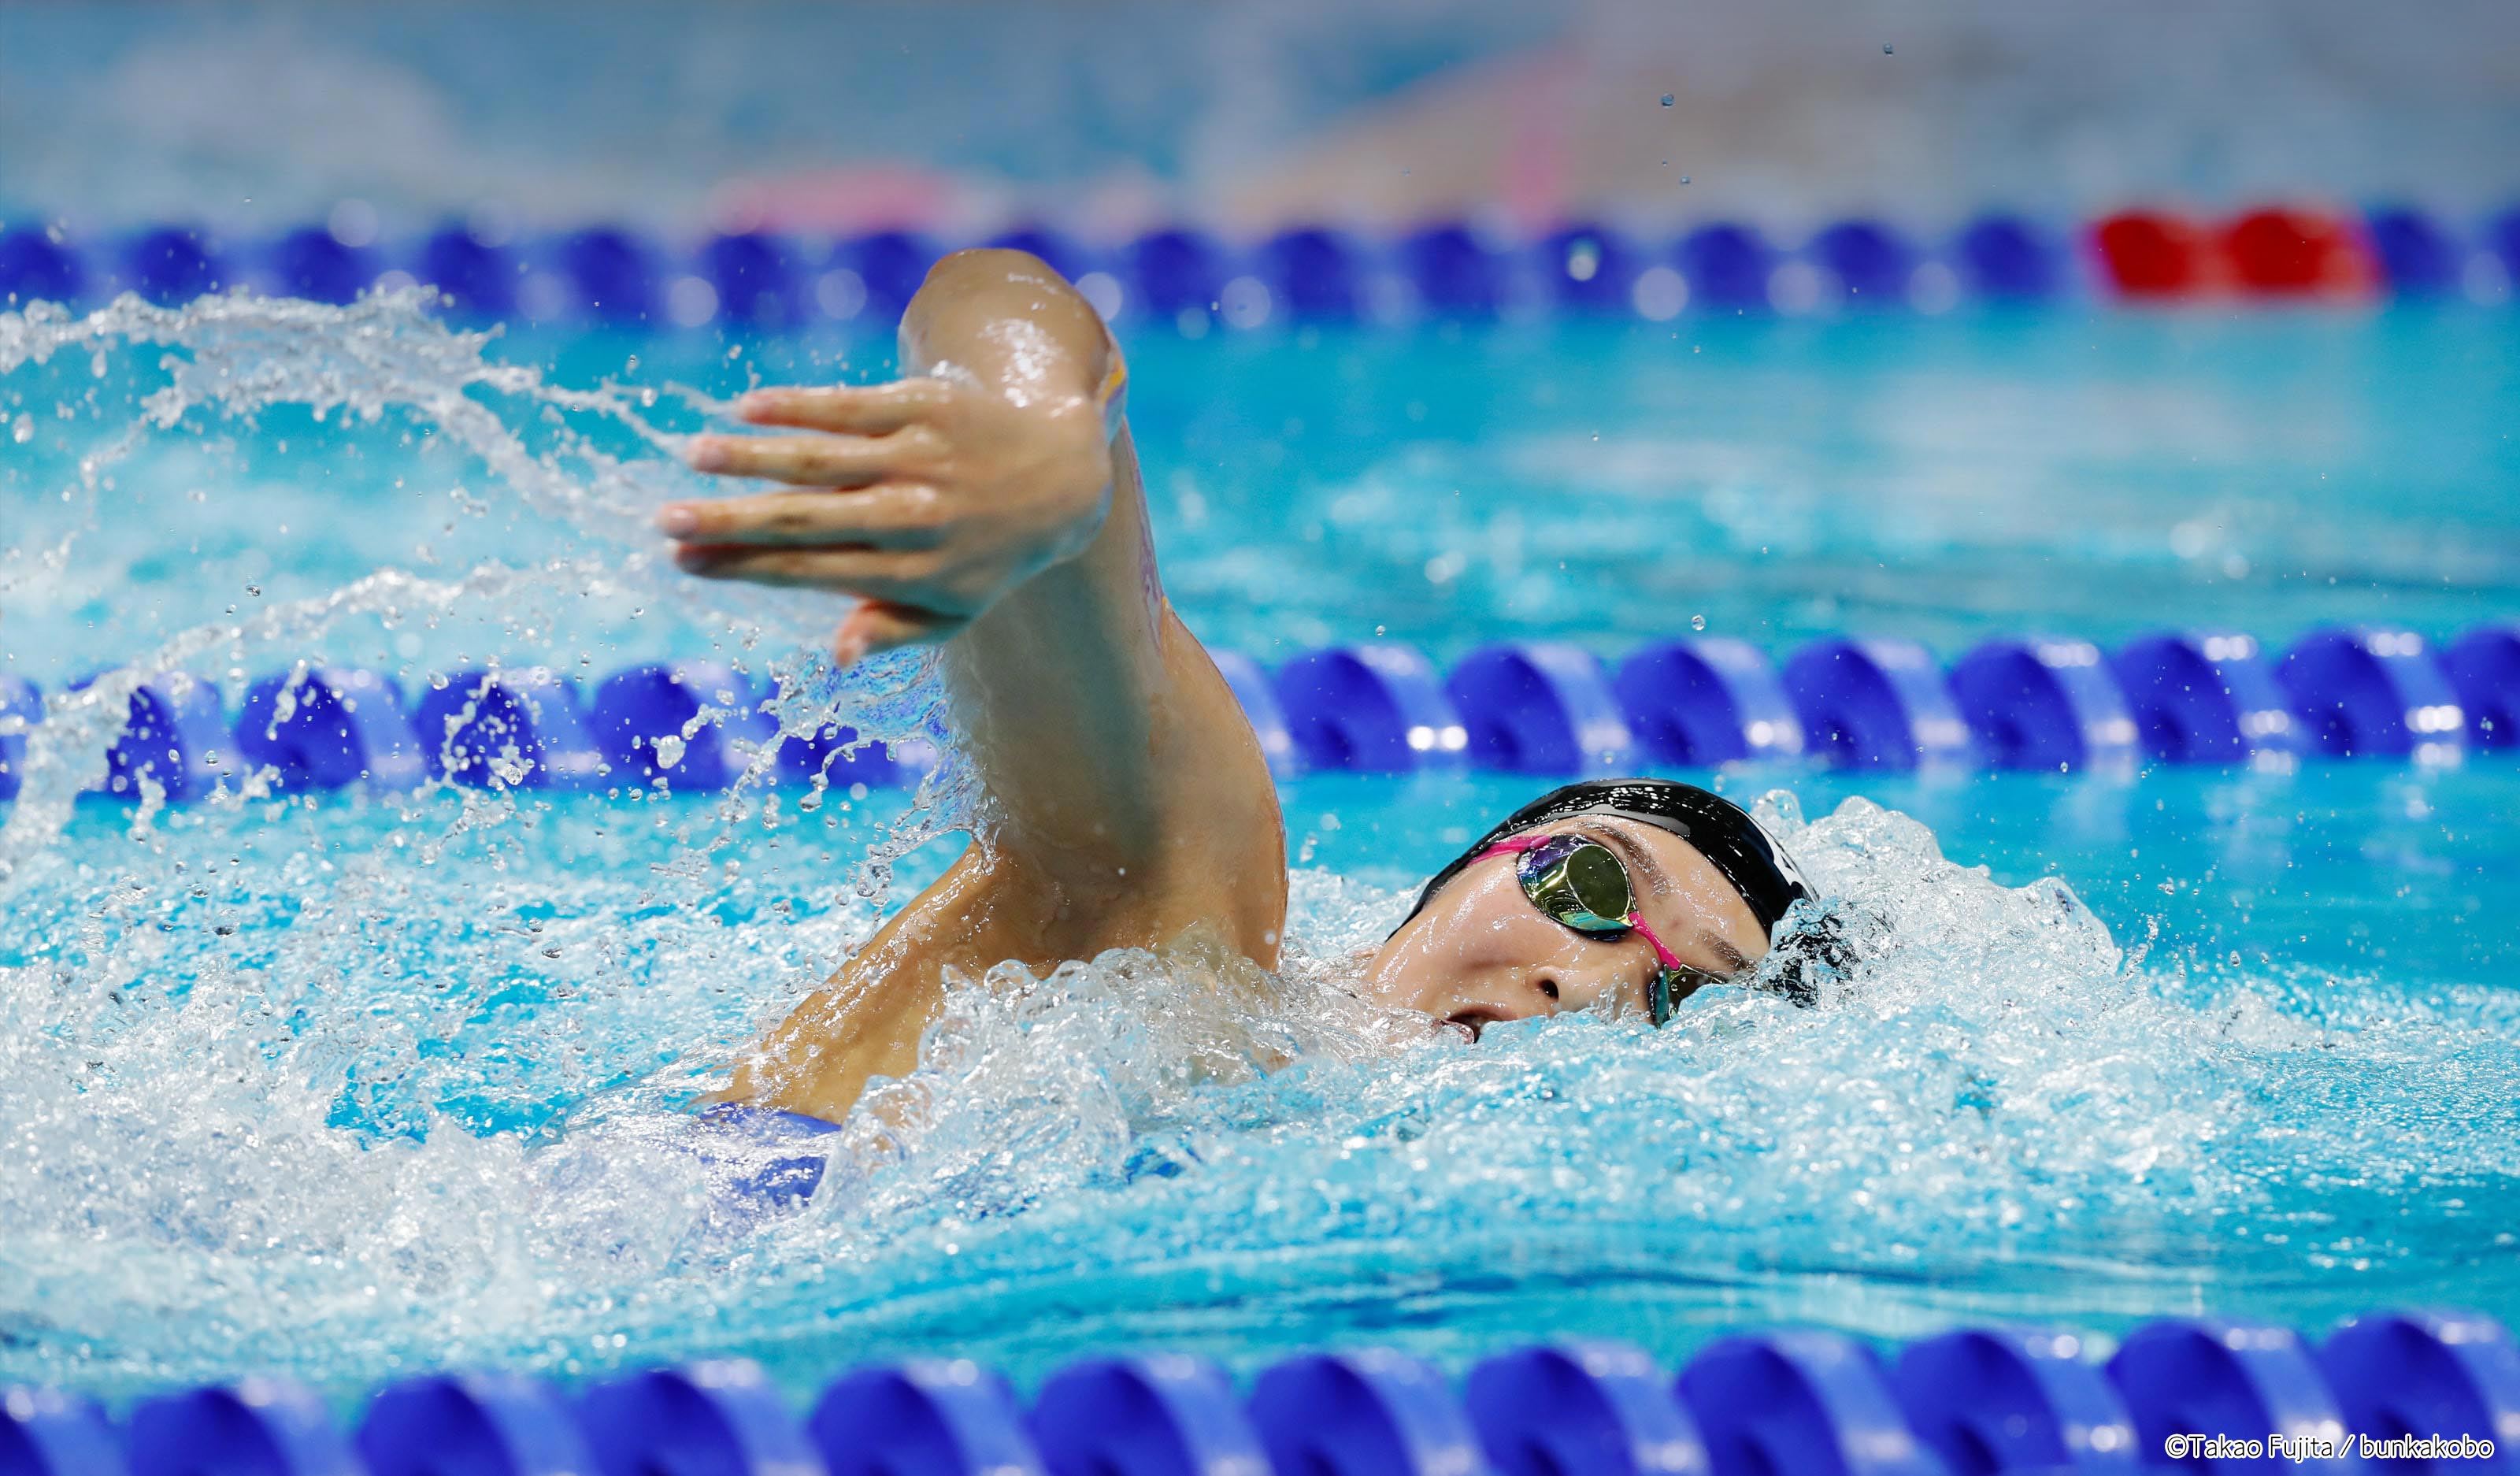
(348, 1084)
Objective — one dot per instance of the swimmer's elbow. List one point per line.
(961, 312)
(975, 268)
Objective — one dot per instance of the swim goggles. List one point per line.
(1581, 885)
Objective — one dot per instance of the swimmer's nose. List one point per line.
(1540, 991)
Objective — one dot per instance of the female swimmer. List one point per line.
(989, 504)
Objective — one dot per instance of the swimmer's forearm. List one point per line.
(1101, 730)
(1136, 805)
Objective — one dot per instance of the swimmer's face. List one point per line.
(1480, 953)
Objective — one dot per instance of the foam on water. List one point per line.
(348, 1084)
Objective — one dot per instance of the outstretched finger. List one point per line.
(866, 572)
(806, 461)
(881, 625)
(864, 408)
(891, 516)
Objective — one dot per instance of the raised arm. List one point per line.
(990, 501)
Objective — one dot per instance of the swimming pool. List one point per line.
(346, 1084)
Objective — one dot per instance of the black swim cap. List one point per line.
(1725, 833)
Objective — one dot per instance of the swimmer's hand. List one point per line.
(926, 498)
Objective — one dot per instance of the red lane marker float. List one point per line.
(2280, 252)
(2152, 254)
(2272, 252)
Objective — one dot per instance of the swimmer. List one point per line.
(989, 504)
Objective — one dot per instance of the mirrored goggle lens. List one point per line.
(1579, 883)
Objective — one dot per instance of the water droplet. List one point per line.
(1683, 179)
(1668, 99)
(1698, 622)
(23, 430)
(1885, 48)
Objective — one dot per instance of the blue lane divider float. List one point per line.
(1589, 268)
(755, 281)
(886, 269)
(2371, 691)
(330, 726)
(472, 1424)
(1728, 267)
(1540, 707)
(2044, 702)
(525, 728)
(1157, 1415)
(925, 1418)
(253, 1427)
(37, 266)
(2236, 1379)
(1373, 1413)
(1178, 272)
(172, 265)
(1314, 273)
(2484, 670)
(1531, 707)
(2205, 697)
(1875, 704)
(1805, 1401)
(477, 277)
(1455, 273)
(21, 706)
(2413, 1374)
(1971, 1401)
(2014, 1398)
(174, 740)
(1710, 701)
(1375, 708)
(612, 277)
(714, 1418)
(2416, 253)
(45, 1432)
(613, 274)
(312, 263)
(2502, 240)
(1581, 1409)
(1870, 262)
(693, 724)
(2005, 258)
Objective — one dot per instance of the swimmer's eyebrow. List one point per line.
(1637, 856)
(1715, 942)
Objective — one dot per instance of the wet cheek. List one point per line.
(1491, 962)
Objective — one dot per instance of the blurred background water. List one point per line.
(1116, 115)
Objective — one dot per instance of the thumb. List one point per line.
(878, 625)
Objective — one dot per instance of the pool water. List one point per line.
(348, 1084)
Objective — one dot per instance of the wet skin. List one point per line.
(1481, 953)
(989, 504)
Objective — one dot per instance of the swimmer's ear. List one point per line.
(1819, 946)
